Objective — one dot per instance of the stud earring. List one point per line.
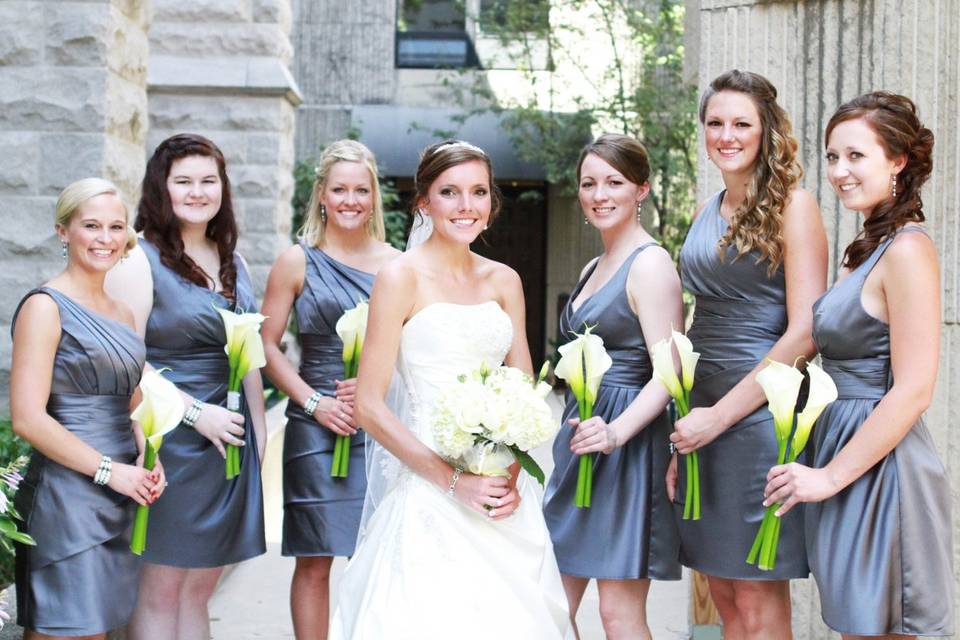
(323, 214)
(63, 252)
(894, 186)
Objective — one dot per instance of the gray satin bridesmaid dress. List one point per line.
(81, 578)
(880, 550)
(203, 520)
(629, 531)
(321, 514)
(740, 313)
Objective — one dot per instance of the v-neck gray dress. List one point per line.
(740, 314)
(81, 578)
(880, 550)
(628, 532)
(203, 520)
(321, 514)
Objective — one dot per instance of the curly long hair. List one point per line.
(159, 224)
(894, 119)
(757, 224)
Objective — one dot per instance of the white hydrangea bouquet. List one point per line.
(493, 417)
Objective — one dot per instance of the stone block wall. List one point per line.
(73, 104)
(219, 68)
(819, 54)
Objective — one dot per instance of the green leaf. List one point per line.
(528, 464)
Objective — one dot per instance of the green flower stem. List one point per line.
(138, 539)
(582, 497)
(341, 457)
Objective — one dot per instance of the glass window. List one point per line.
(433, 34)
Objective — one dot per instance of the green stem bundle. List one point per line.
(138, 539)
(585, 469)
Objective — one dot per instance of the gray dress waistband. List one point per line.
(867, 378)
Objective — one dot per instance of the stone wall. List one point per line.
(73, 104)
(819, 54)
(220, 68)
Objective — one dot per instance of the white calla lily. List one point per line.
(781, 385)
(688, 358)
(583, 361)
(823, 391)
(160, 409)
(664, 369)
(351, 328)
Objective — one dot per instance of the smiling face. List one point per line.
(608, 199)
(195, 189)
(858, 167)
(348, 196)
(732, 132)
(459, 202)
(96, 234)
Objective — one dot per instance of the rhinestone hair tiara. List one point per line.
(460, 143)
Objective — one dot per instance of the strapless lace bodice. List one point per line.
(444, 340)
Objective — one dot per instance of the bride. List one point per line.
(446, 553)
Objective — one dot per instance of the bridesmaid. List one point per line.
(76, 365)
(631, 295)
(756, 259)
(878, 526)
(187, 266)
(327, 273)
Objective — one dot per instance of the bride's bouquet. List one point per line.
(491, 418)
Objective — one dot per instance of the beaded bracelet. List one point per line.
(192, 414)
(312, 402)
(102, 476)
(453, 481)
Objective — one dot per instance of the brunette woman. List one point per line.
(76, 364)
(878, 522)
(756, 259)
(630, 296)
(187, 266)
(328, 272)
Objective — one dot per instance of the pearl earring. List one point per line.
(64, 250)
(894, 186)
(323, 214)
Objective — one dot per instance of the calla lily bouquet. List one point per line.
(244, 349)
(351, 328)
(492, 418)
(781, 384)
(583, 361)
(159, 412)
(679, 389)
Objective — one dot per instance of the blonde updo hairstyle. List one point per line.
(77, 193)
(313, 230)
(757, 224)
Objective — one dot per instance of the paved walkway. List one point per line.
(252, 600)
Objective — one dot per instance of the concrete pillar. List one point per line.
(820, 54)
(220, 69)
(73, 104)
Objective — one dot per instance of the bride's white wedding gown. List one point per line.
(426, 566)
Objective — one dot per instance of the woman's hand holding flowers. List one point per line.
(697, 429)
(220, 426)
(593, 435)
(789, 484)
(335, 415)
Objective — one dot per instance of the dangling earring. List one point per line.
(323, 214)
(894, 186)
(64, 250)
(639, 205)
(585, 221)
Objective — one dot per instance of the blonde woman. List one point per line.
(332, 268)
(756, 259)
(76, 363)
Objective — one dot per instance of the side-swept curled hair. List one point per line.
(894, 119)
(758, 222)
(441, 156)
(623, 153)
(76, 193)
(159, 224)
(314, 226)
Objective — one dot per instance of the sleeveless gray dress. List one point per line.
(740, 313)
(628, 532)
(880, 550)
(81, 578)
(321, 515)
(204, 520)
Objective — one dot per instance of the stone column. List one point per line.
(220, 69)
(73, 104)
(820, 54)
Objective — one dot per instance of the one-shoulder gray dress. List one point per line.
(880, 550)
(629, 531)
(321, 514)
(81, 578)
(740, 313)
(203, 520)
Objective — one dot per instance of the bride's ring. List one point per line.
(341, 415)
